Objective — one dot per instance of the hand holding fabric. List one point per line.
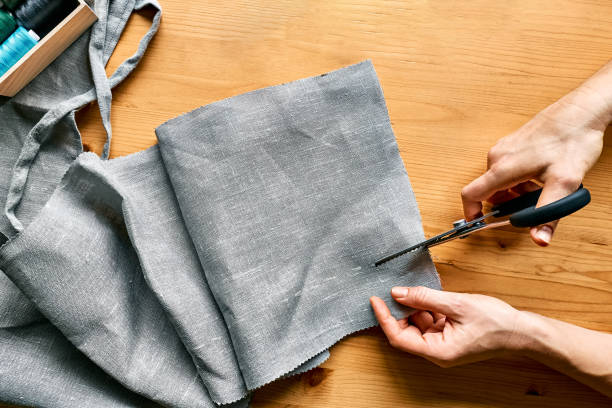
(456, 328)
(449, 328)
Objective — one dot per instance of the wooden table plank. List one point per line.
(457, 76)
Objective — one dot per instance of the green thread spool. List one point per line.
(12, 4)
(7, 25)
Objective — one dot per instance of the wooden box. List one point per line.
(47, 49)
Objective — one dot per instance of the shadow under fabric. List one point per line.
(236, 251)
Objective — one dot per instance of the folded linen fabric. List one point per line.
(109, 236)
(39, 140)
(120, 296)
(235, 252)
(289, 194)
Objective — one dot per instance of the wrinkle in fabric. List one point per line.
(235, 252)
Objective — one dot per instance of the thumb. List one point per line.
(423, 298)
(553, 190)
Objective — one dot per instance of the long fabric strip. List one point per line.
(39, 140)
(234, 253)
(103, 33)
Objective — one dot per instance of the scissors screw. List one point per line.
(459, 223)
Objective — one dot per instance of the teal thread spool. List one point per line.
(15, 47)
(7, 25)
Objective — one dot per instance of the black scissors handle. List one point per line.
(523, 212)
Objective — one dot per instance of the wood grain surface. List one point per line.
(457, 75)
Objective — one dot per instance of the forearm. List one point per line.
(595, 94)
(583, 354)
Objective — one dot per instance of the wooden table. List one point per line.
(456, 76)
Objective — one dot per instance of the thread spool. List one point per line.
(7, 25)
(15, 47)
(42, 16)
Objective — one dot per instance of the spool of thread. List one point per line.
(42, 16)
(7, 25)
(12, 4)
(15, 47)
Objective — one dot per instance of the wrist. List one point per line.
(595, 101)
(530, 336)
(598, 93)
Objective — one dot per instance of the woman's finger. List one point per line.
(437, 316)
(501, 197)
(554, 189)
(438, 325)
(423, 298)
(408, 339)
(423, 320)
(387, 322)
(526, 187)
(497, 178)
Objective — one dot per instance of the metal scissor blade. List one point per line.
(400, 253)
(422, 244)
(459, 231)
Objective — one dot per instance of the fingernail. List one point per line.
(399, 292)
(544, 234)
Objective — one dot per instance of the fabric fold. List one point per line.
(235, 252)
(76, 262)
(289, 194)
(109, 262)
(39, 139)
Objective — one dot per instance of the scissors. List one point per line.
(522, 211)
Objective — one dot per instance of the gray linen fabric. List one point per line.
(54, 105)
(38, 141)
(289, 194)
(84, 260)
(41, 368)
(106, 294)
(234, 253)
